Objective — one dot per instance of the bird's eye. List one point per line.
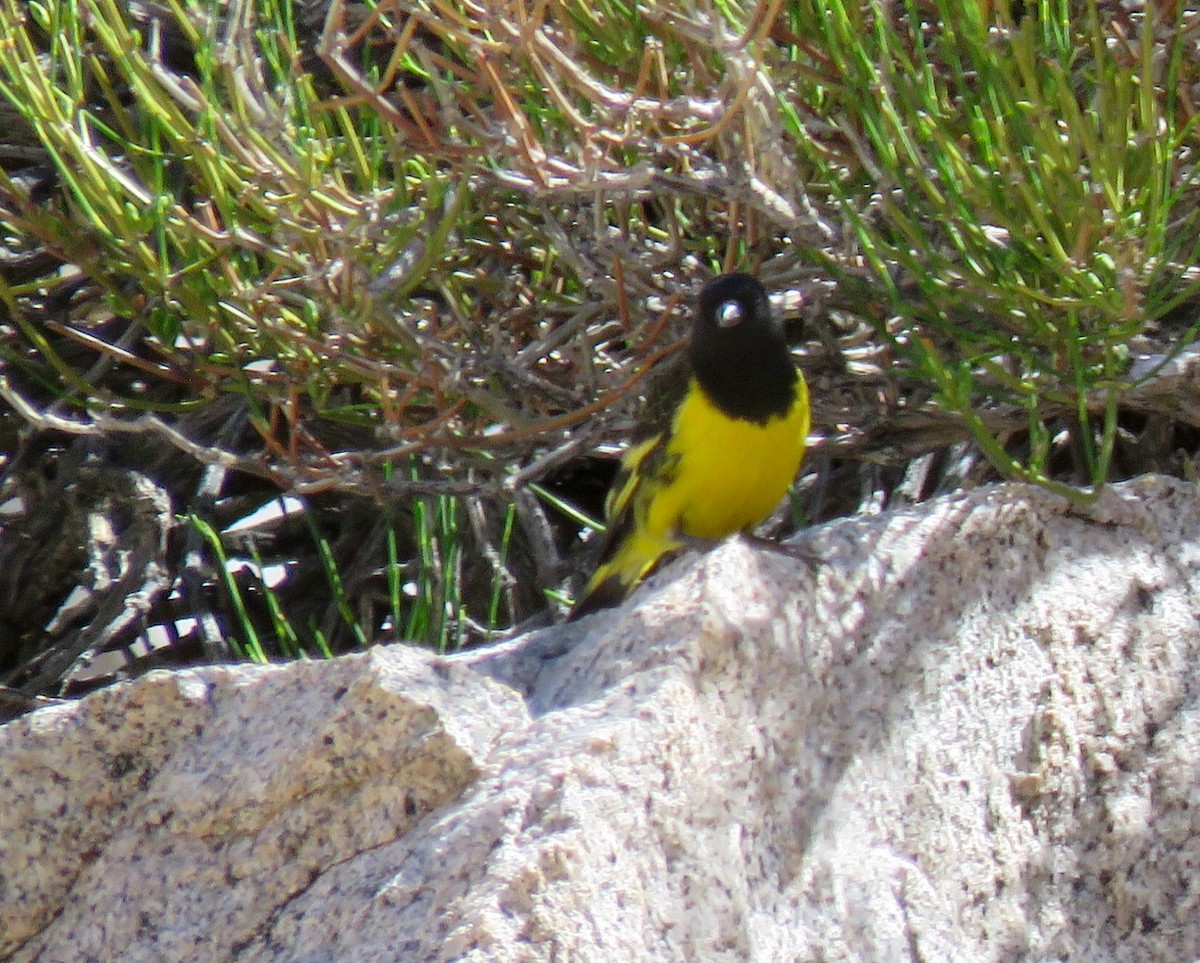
(730, 313)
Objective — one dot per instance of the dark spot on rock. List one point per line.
(1145, 599)
(122, 765)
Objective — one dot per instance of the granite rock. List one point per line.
(966, 731)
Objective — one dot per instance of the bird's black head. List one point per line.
(739, 352)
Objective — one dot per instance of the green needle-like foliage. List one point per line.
(1021, 192)
(420, 254)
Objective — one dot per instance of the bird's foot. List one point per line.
(799, 550)
(694, 543)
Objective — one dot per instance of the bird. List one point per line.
(720, 443)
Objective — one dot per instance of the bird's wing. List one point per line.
(626, 551)
(647, 463)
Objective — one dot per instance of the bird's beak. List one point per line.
(730, 315)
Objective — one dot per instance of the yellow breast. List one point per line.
(729, 473)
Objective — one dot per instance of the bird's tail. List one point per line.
(635, 557)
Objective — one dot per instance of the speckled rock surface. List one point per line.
(965, 732)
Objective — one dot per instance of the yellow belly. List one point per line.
(730, 474)
(716, 476)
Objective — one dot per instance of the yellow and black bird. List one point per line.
(721, 441)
